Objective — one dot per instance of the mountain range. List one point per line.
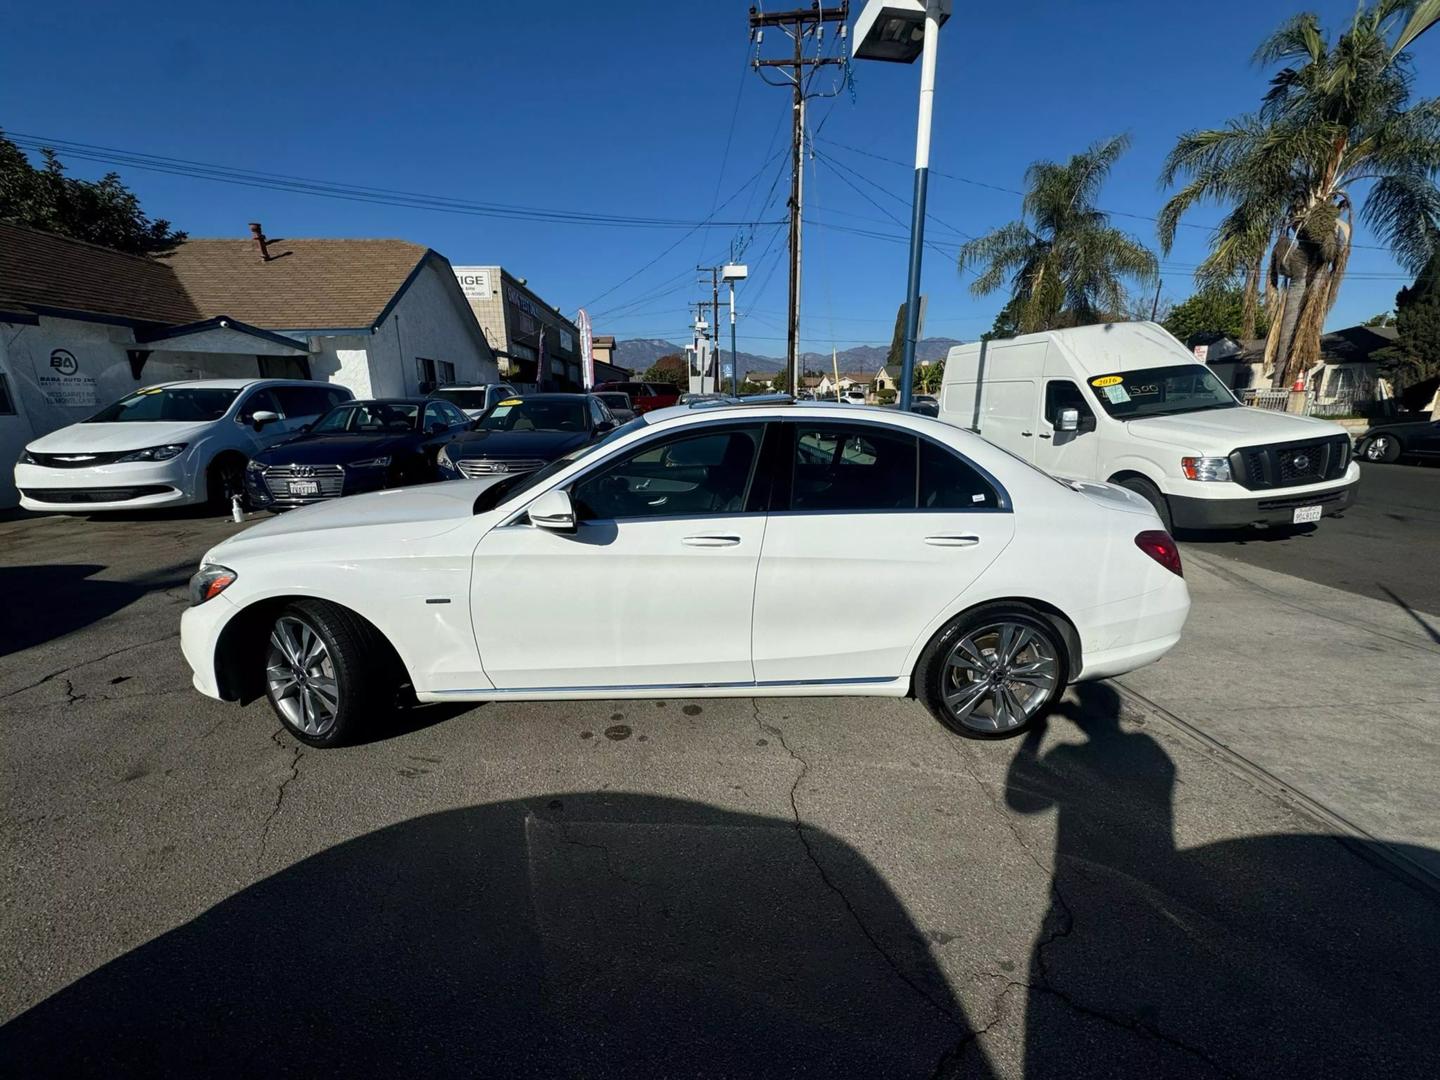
(637, 354)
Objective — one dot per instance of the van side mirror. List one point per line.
(553, 510)
(1069, 420)
(262, 417)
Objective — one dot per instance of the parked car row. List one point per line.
(283, 444)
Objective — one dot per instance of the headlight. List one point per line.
(209, 582)
(254, 467)
(26, 458)
(1205, 468)
(155, 453)
(372, 463)
(445, 459)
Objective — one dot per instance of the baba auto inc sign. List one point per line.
(63, 383)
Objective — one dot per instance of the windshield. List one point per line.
(496, 494)
(536, 414)
(615, 401)
(1161, 391)
(466, 399)
(370, 418)
(195, 404)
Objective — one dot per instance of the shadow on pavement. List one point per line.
(1250, 535)
(1275, 955)
(1432, 632)
(576, 935)
(46, 602)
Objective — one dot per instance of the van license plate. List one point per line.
(1303, 514)
(312, 487)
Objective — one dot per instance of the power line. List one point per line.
(350, 192)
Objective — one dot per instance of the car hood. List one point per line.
(422, 511)
(333, 449)
(1219, 431)
(517, 444)
(113, 438)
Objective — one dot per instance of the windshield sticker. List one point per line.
(1106, 380)
(150, 390)
(1116, 394)
(508, 402)
(501, 410)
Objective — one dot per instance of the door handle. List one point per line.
(1027, 433)
(953, 540)
(711, 541)
(1043, 435)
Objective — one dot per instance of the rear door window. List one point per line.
(838, 467)
(949, 482)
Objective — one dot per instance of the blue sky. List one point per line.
(624, 108)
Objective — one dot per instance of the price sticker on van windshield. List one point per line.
(1106, 380)
(510, 401)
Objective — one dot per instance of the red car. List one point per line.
(643, 396)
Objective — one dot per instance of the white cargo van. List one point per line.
(1125, 402)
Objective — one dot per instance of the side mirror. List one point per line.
(553, 510)
(1069, 420)
(262, 417)
(604, 426)
(306, 427)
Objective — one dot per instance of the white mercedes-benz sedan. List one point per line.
(727, 549)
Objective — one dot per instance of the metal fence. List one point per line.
(1278, 400)
(1358, 401)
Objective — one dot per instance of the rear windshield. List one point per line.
(615, 401)
(466, 399)
(195, 404)
(536, 414)
(1161, 391)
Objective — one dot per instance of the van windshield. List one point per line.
(1161, 391)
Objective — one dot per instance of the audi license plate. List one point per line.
(1303, 514)
(312, 487)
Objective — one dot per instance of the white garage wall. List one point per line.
(432, 320)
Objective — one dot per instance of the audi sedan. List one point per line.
(708, 551)
(356, 447)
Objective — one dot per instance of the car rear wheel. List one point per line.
(1383, 448)
(992, 672)
(324, 671)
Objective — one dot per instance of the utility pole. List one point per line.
(714, 303)
(1155, 304)
(799, 24)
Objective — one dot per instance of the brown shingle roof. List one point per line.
(42, 270)
(307, 284)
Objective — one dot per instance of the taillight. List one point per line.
(1159, 546)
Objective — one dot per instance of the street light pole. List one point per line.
(734, 364)
(922, 175)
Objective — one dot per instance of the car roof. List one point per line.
(468, 386)
(387, 401)
(553, 396)
(774, 406)
(238, 384)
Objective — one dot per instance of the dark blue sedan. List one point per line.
(355, 447)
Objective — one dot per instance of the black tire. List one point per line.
(360, 663)
(224, 479)
(1383, 448)
(1151, 494)
(933, 678)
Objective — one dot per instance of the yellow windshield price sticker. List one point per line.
(511, 401)
(1107, 380)
(150, 390)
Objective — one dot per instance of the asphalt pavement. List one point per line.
(753, 888)
(1387, 546)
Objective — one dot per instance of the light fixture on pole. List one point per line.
(731, 273)
(900, 31)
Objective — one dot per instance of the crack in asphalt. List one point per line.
(86, 663)
(855, 916)
(299, 752)
(1065, 927)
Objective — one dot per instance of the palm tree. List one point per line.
(1063, 262)
(1337, 115)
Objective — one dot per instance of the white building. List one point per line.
(82, 325)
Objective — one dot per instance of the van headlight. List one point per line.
(1205, 468)
(155, 453)
(209, 582)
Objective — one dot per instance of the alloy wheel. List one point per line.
(999, 676)
(1377, 448)
(301, 676)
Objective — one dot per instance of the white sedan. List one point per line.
(708, 551)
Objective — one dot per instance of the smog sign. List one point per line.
(65, 384)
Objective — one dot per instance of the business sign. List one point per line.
(1202, 353)
(587, 360)
(65, 384)
(474, 281)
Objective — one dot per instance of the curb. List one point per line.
(1379, 853)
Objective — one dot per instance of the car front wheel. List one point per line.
(323, 672)
(992, 672)
(1384, 448)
